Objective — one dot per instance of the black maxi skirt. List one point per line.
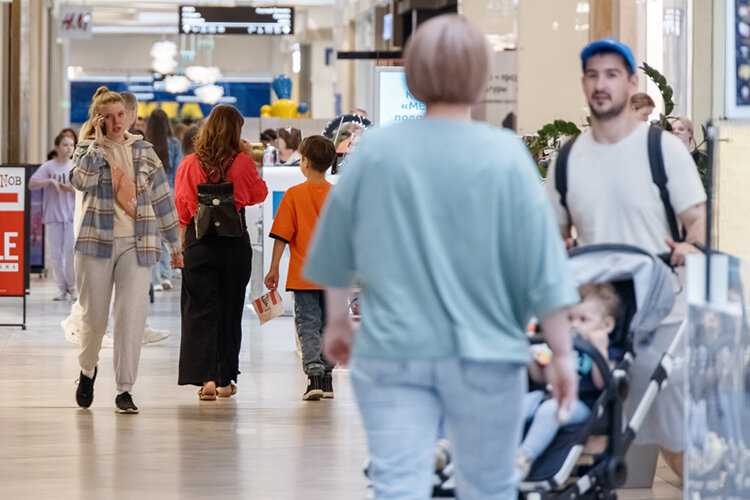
(214, 279)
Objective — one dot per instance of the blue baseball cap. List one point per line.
(609, 46)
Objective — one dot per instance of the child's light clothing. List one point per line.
(57, 205)
(544, 425)
(57, 208)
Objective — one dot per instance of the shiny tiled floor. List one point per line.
(263, 444)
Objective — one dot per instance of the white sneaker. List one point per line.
(72, 334)
(158, 288)
(72, 295)
(108, 341)
(166, 284)
(60, 297)
(152, 335)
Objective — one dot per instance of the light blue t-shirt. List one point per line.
(447, 228)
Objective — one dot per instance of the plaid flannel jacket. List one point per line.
(156, 211)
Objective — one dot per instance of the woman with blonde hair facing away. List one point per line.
(454, 254)
(642, 105)
(217, 257)
(127, 210)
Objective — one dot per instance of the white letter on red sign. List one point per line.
(9, 245)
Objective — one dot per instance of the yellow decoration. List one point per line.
(265, 111)
(145, 108)
(192, 110)
(284, 108)
(171, 108)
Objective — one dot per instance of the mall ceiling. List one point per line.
(160, 16)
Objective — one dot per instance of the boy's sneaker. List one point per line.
(60, 296)
(314, 389)
(85, 391)
(328, 385)
(124, 403)
(166, 284)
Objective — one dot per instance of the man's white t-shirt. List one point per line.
(611, 194)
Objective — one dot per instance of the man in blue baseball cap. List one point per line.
(609, 46)
(609, 79)
(605, 185)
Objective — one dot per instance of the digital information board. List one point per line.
(394, 102)
(198, 19)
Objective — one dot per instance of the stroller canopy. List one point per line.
(651, 278)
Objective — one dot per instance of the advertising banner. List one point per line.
(247, 95)
(738, 59)
(12, 225)
(500, 102)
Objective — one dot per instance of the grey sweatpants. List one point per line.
(95, 278)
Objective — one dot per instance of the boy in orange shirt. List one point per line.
(294, 225)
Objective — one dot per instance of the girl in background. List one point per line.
(58, 206)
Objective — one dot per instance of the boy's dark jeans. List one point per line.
(310, 319)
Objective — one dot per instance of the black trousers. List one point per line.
(216, 274)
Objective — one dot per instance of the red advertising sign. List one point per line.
(12, 203)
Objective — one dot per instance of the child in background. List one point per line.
(58, 206)
(593, 319)
(294, 225)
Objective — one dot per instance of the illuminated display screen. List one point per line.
(396, 104)
(199, 19)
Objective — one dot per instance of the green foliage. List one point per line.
(548, 140)
(667, 93)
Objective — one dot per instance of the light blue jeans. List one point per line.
(163, 268)
(544, 425)
(402, 402)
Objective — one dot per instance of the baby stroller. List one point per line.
(644, 285)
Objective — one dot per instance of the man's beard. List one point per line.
(613, 112)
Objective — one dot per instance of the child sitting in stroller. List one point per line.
(593, 319)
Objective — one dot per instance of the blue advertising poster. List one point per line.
(36, 228)
(247, 95)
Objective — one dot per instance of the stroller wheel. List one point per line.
(617, 472)
(607, 495)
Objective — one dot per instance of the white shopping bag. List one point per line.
(268, 306)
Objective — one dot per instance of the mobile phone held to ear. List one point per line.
(104, 128)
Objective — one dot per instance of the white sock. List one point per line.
(88, 373)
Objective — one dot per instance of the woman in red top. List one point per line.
(217, 268)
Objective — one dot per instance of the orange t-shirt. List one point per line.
(295, 223)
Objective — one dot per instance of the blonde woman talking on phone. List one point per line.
(127, 210)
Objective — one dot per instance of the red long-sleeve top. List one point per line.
(249, 188)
